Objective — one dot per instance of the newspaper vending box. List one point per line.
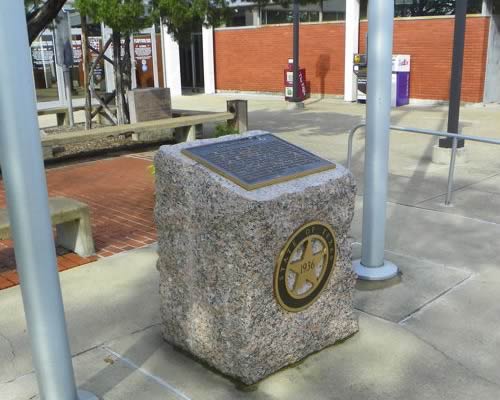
(288, 82)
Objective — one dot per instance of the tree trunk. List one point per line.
(120, 88)
(85, 61)
(41, 17)
(127, 73)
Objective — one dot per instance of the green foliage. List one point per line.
(152, 169)
(181, 16)
(185, 16)
(124, 16)
(225, 129)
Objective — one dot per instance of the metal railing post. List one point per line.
(27, 199)
(350, 143)
(372, 265)
(449, 191)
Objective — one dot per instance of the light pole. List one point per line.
(296, 101)
(372, 265)
(27, 199)
(456, 74)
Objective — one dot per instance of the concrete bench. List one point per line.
(72, 221)
(186, 127)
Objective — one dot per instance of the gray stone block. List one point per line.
(149, 104)
(218, 249)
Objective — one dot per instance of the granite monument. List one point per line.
(254, 252)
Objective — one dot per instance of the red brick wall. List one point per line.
(430, 44)
(253, 59)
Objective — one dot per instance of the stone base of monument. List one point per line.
(252, 281)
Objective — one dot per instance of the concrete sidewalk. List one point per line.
(433, 333)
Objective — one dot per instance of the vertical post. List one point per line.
(451, 173)
(133, 63)
(486, 8)
(193, 61)
(64, 58)
(109, 71)
(296, 24)
(208, 59)
(61, 87)
(156, 78)
(256, 16)
(85, 62)
(68, 63)
(456, 73)
(240, 110)
(24, 180)
(42, 52)
(172, 63)
(162, 37)
(372, 265)
(69, 95)
(351, 47)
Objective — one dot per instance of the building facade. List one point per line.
(252, 57)
(250, 54)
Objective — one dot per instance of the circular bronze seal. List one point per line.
(304, 266)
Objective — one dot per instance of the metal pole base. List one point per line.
(84, 395)
(385, 272)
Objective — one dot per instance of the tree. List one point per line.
(39, 14)
(183, 17)
(434, 7)
(124, 17)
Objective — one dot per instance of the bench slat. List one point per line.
(114, 131)
(59, 110)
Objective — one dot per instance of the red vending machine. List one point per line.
(288, 82)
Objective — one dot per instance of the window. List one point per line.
(419, 8)
(238, 17)
(333, 10)
(286, 16)
(496, 7)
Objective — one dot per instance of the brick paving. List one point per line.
(120, 195)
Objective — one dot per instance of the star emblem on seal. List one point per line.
(304, 266)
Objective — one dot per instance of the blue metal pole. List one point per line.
(27, 199)
(372, 265)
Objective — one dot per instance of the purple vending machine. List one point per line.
(400, 80)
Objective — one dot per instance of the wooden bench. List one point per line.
(72, 221)
(187, 126)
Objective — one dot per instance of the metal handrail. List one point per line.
(454, 136)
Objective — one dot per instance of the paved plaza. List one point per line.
(432, 333)
(120, 194)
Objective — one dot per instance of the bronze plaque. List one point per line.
(257, 161)
(304, 266)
